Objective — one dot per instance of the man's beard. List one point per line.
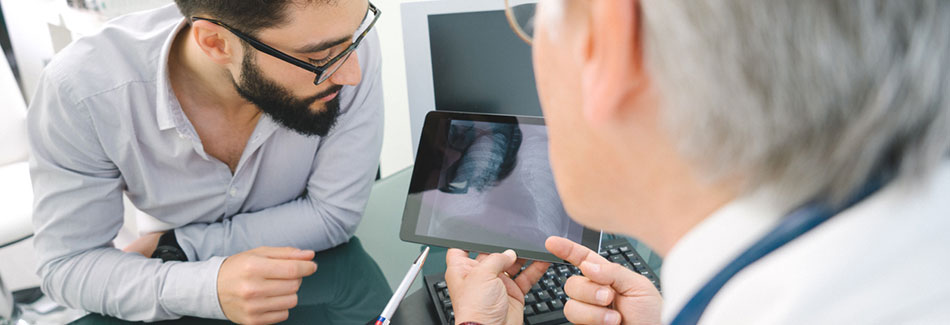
(287, 110)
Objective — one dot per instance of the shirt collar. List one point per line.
(168, 109)
(713, 243)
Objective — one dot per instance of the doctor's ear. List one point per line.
(215, 41)
(612, 71)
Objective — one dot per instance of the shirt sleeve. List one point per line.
(78, 211)
(328, 213)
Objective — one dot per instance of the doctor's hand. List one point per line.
(607, 293)
(260, 286)
(481, 291)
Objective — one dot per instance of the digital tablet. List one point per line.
(483, 183)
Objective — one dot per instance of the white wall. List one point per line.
(27, 24)
(397, 143)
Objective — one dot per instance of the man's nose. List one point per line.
(349, 74)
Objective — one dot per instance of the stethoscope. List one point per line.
(792, 226)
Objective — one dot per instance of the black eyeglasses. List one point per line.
(323, 72)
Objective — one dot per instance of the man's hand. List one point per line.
(145, 245)
(482, 292)
(607, 293)
(260, 286)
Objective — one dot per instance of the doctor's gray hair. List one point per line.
(808, 97)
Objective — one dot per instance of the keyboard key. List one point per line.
(563, 269)
(614, 251)
(624, 249)
(548, 284)
(617, 259)
(562, 280)
(542, 307)
(447, 304)
(536, 287)
(550, 273)
(552, 318)
(441, 285)
(528, 310)
(557, 304)
(529, 299)
(628, 266)
(543, 296)
(559, 293)
(604, 254)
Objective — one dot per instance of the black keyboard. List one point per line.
(545, 303)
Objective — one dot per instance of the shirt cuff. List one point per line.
(191, 289)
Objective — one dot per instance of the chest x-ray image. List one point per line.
(496, 186)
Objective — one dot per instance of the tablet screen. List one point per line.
(486, 180)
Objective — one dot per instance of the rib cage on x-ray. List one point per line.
(489, 152)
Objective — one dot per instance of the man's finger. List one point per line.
(287, 269)
(456, 264)
(289, 253)
(277, 303)
(515, 268)
(583, 289)
(494, 264)
(531, 275)
(622, 280)
(276, 287)
(580, 313)
(456, 256)
(572, 252)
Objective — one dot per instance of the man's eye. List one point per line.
(320, 61)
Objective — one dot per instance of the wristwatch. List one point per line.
(168, 248)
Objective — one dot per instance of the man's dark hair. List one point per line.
(248, 16)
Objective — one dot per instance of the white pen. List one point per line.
(403, 287)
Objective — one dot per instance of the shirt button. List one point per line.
(233, 192)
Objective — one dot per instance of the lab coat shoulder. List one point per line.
(882, 261)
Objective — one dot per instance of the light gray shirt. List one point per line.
(105, 121)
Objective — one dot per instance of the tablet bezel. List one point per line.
(427, 157)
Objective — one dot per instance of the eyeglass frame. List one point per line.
(513, 23)
(318, 70)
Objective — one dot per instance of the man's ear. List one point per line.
(213, 40)
(612, 68)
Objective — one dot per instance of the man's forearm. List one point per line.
(300, 223)
(132, 287)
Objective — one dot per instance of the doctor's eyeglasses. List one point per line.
(520, 14)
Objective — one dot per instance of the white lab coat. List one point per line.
(886, 260)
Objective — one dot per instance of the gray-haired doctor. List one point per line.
(789, 159)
